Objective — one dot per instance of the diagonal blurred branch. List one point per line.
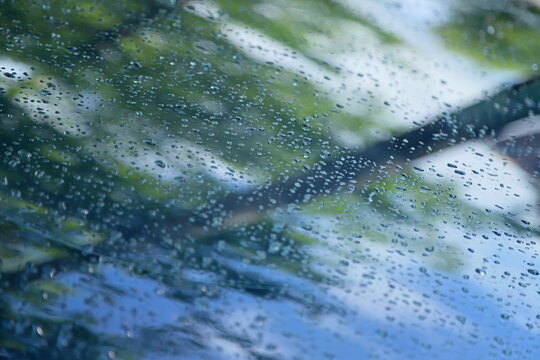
(479, 120)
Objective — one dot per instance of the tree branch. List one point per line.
(476, 121)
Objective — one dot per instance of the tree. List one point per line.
(141, 142)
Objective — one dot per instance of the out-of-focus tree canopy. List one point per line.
(151, 152)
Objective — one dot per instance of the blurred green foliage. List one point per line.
(119, 117)
(502, 34)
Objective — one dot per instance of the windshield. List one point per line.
(303, 179)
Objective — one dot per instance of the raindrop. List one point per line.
(481, 272)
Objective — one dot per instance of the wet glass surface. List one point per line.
(304, 179)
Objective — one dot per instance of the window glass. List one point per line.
(302, 179)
